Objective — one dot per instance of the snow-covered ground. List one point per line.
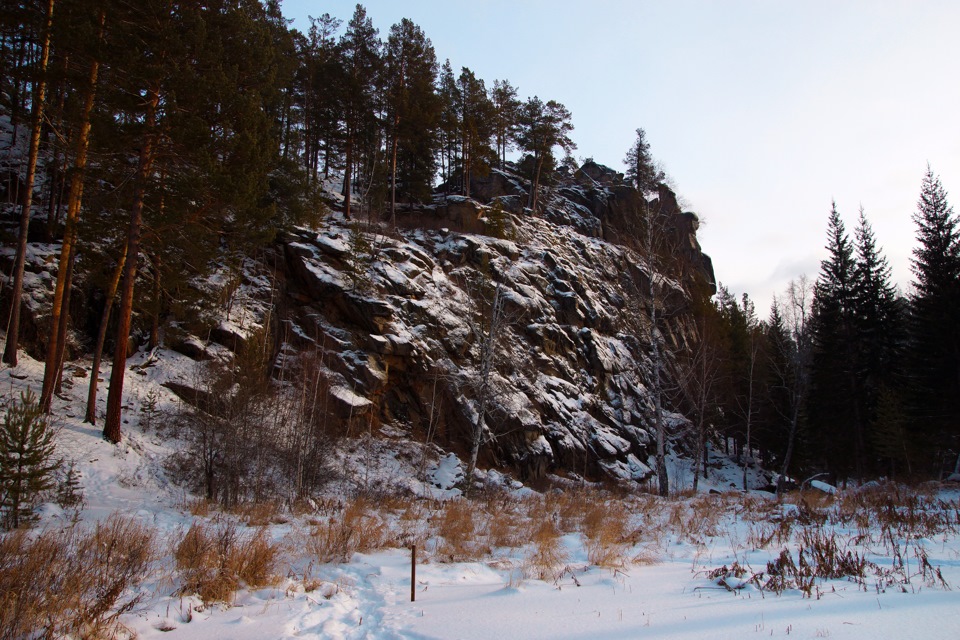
(663, 578)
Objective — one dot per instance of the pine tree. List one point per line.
(642, 171)
(360, 49)
(448, 129)
(476, 127)
(413, 110)
(320, 80)
(933, 356)
(27, 463)
(61, 297)
(541, 128)
(38, 105)
(204, 158)
(506, 108)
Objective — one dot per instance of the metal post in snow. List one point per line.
(413, 573)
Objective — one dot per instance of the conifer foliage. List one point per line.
(835, 404)
(27, 462)
(934, 323)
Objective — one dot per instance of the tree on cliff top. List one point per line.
(541, 128)
(642, 170)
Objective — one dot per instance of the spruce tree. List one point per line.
(878, 317)
(933, 356)
(834, 404)
(776, 379)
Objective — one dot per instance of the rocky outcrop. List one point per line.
(598, 203)
(399, 328)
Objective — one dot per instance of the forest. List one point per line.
(156, 142)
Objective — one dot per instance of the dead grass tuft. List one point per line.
(214, 561)
(357, 528)
(456, 528)
(261, 514)
(609, 534)
(548, 557)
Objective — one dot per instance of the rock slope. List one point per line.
(397, 319)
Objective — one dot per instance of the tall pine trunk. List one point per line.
(13, 325)
(111, 428)
(67, 250)
(91, 415)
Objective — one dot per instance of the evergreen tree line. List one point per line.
(392, 121)
(161, 141)
(846, 376)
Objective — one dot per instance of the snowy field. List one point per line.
(877, 562)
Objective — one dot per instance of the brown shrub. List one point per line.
(548, 557)
(64, 582)
(358, 528)
(216, 560)
(609, 535)
(456, 529)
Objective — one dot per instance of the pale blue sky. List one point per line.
(761, 111)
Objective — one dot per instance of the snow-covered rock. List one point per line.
(403, 327)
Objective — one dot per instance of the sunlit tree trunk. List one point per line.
(111, 428)
(55, 349)
(91, 415)
(13, 325)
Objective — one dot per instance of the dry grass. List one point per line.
(609, 534)
(73, 582)
(457, 535)
(412, 524)
(760, 535)
(505, 529)
(261, 514)
(548, 557)
(571, 507)
(357, 528)
(214, 561)
(198, 508)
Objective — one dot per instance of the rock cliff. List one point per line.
(397, 319)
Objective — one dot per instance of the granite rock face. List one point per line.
(398, 326)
